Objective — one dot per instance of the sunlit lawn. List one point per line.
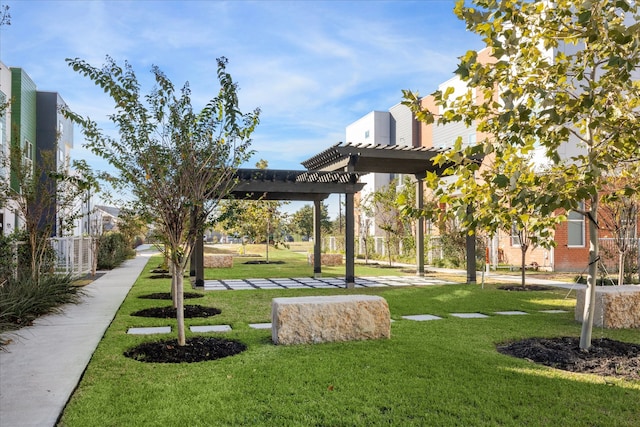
(436, 373)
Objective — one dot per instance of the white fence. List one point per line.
(73, 254)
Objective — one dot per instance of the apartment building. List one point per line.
(34, 122)
(398, 127)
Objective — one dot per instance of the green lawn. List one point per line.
(435, 373)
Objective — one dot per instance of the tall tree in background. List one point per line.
(177, 162)
(302, 220)
(566, 72)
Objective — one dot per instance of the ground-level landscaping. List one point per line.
(437, 372)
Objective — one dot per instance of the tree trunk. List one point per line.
(174, 286)
(590, 294)
(178, 277)
(523, 251)
(621, 257)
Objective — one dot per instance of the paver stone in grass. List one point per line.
(422, 317)
(211, 328)
(260, 325)
(511, 313)
(553, 311)
(149, 330)
(469, 315)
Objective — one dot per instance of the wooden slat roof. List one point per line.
(366, 158)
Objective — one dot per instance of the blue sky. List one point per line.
(312, 67)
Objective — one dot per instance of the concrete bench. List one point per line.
(218, 261)
(615, 306)
(327, 259)
(306, 320)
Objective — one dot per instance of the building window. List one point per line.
(515, 236)
(472, 139)
(366, 134)
(575, 228)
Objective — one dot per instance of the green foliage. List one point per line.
(7, 257)
(177, 162)
(22, 301)
(302, 220)
(562, 74)
(113, 250)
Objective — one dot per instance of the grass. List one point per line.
(438, 373)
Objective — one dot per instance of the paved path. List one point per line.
(320, 283)
(42, 365)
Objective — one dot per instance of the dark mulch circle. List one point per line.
(197, 349)
(170, 312)
(167, 295)
(261, 261)
(526, 288)
(160, 270)
(605, 357)
(160, 276)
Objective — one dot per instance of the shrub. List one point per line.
(113, 251)
(22, 301)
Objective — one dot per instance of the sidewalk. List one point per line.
(41, 367)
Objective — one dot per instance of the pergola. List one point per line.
(337, 170)
(313, 186)
(371, 158)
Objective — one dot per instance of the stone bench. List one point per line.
(327, 259)
(615, 306)
(218, 261)
(305, 320)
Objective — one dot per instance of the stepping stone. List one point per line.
(260, 325)
(553, 311)
(511, 313)
(149, 331)
(211, 328)
(422, 317)
(469, 315)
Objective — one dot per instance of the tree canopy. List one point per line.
(176, 162)
(563, 83)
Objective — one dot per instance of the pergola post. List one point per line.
(419, 227)
(349, 242)
(317, 239)
(199, 258)
(471, 253)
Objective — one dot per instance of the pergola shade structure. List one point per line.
(270, 184)
(337, 170)
(371, 158)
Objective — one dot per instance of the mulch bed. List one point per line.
(263, 262)
(160, 276)
(605, 357)
(524, 288)
(170, 312)
(197, 349)
(167, 295)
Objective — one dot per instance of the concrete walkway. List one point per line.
(41, 367)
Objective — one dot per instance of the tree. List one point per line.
(176, 162)
(619, 215)
(387, 215)
(302, 220)
(45, 196)
(564, 74)
(365, 209)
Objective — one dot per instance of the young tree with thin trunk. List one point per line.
(177, 162)
(45, 195)
(566, 74)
